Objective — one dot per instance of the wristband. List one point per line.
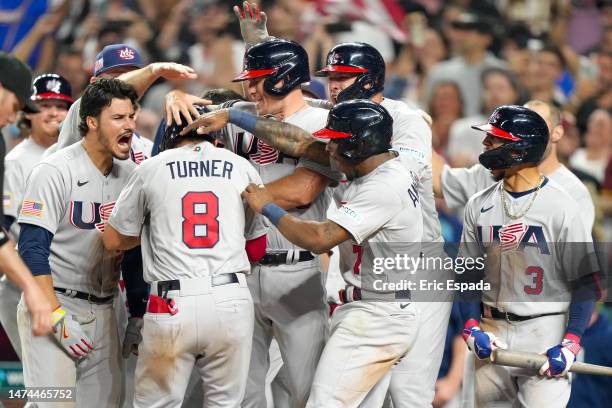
(242, 119)
(57, 315)
(273, 212)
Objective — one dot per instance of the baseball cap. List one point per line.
(116, 55)
(52, 86)
(17, 78)
(314, 87)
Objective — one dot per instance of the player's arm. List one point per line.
(35, 295)
(437, 164)
(289, 139)
(298, 189)
(314, 236)
(141, 79)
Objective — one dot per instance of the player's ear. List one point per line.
(557, 134)
(92, 123)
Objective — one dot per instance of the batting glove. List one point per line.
(71, 337)
(561, 357)
(481, 343)
(133, 336)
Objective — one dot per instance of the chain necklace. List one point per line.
(522, 214)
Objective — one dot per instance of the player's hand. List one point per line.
(481, 343)
(172, 71)
(177, 103)
(133, 336)
(257, 196)
(560, 358)
(252, 23)
(40, 310)
(72, 338)
(446, 389)
(209, 122)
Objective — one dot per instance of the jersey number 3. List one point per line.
(200, 219)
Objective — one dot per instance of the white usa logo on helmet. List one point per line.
(54, 86)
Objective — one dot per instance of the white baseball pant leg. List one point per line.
(367, 339)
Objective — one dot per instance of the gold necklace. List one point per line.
(522, 214)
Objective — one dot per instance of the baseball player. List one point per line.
(52, 96)
(541, 296)
(457, 185)
(371, 331)
(186, 201)
(67, 202)
(15, 91)
(287, 286)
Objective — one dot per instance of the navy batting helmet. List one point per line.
(358, 58)
(277, 60)
(173, 133)
(361, 128)
(51, 86)
(526, 133)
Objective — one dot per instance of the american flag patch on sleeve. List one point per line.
(31, 207)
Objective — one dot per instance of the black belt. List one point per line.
(85, 296)
(511, 317)
(280, 258)
(224, 279)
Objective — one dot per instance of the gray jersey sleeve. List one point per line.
(326, 171)
(129, 211)
(368, 211)
(468, 246)
(69, 132)
(459, 184)
(45, 199)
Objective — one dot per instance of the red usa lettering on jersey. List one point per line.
(88, 216)
(512, 235)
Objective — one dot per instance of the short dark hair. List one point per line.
(101, 94)
(556, 51)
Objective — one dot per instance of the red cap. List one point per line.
(326, 133)
(246, 74)
(52, 95)
(497, 132)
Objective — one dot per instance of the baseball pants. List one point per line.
(211, 331)
(98, 377)
(494, 384)
(289, 306)
(367, 340)
(9, 299)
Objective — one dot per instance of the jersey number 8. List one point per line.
(200, 219)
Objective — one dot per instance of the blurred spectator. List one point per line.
(545, 68)
(70, 65)
(447, 105)
(499, 87)
(470, 40)
(594, 158)
(534, 13)
(595, 93)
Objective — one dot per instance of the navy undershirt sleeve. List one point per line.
(35, 248)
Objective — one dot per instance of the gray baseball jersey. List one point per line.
(535, 278)
(380, 210)
(67, 195)
(412, 136)
(18, 164)
(69, 134)
(459, 184)
(273, 165)
(187, 203)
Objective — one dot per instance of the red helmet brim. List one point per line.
(497, 132)
(256, 73)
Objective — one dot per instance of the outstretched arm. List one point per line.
(314, 236)
(287, 138)
(252, 23)
(141, 79)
